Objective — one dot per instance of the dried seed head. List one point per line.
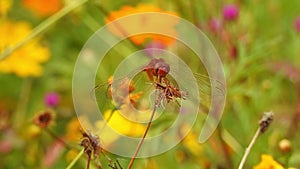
(44, 120)
(265, 122)
(91, 144)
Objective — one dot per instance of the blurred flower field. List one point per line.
(258, 42)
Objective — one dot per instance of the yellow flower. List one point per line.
(267, 162)
(76, 126)
(191, 142)
(43, 7)
(123, 125)
(26, 60)
(32, 131)
(138, 24)
(120, 125)
(74, 130)
(4, 7)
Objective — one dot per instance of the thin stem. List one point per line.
(295, 118)
(108, 119)
(75, 159)
(248, 149)
(58, 138)
(89, 161)
(224, 149)
(41, 27)
(231, 141)
(93, 25)
(22, 103)
(264, 124)
(118, 26)
(146, 131)
(193, 12)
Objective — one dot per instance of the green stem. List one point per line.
(231, 141)
(224, 148)
(18, 118)
(93, 25)
(54, 136)
(75, 159)
(43, 26)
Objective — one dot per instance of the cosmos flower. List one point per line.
(267, 162)
(143, 23)
(43, 7)
(26, 60)
(230, 12)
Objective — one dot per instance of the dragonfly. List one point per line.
(156, 74)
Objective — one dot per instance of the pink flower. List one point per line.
(297, 24)
(215, 25)
(52, 99)
(230, 12)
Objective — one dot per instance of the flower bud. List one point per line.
(285, 146)
(230, 12)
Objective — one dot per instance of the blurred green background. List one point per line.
(258, 42)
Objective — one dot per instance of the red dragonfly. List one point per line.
(157, 71)
(157, 68)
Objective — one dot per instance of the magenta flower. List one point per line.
(51, 99)
(297, 24)
(154, 48)
(230, 12)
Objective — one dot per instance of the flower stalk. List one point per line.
(75, 159)
(157, 103)
(22, 104)
(264, 123)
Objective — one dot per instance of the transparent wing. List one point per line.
(206, 84)
(208, 87)
(142, 83)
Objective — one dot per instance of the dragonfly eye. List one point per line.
(162, 71)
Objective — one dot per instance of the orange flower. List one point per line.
(43, 7)
(143, 23)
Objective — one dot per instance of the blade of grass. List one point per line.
(43, 26)
(75, 159)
